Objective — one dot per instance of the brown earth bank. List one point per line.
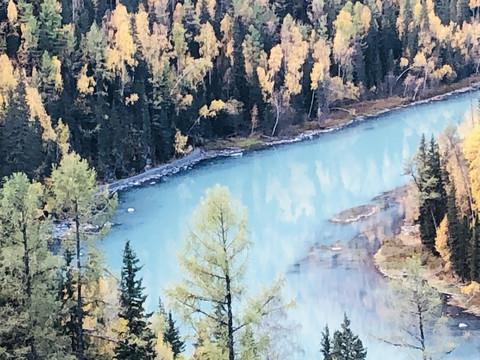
(336, 120)
(392, 254)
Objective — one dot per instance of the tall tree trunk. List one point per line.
(231, 352)
(277, 110)
(28, 287)
(422, 335)
(79, 288)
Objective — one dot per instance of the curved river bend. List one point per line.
(290, 193)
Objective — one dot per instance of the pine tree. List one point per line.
(428, 176)
(21, 147)
(172, 337)
(347, 345)
(326, 344)
(457, 238)
(50, 35)
(475, 253)
(137, 341)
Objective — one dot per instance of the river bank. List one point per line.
(391, 254)
(236, 147)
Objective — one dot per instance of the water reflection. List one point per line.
(290, 193)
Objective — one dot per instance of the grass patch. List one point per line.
(244, 143)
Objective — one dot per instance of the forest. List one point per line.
(135, 83)
(93, 91)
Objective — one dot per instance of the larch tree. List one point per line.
(321, 69)
(76, 198)
(209, 46)
(120, 54)
(418, 306)
(214, 263)
(136, 340)
(295, 50)
(267, 78)
(471, 151)
(29, 276)
(343, 45)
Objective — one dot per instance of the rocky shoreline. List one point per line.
(198, 155)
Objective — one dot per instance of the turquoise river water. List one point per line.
(290, 192)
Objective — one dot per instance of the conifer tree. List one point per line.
(214, 264)
(428, 177)
(137, 341)
(29, 273)
(457, 238)
(21, 142)
(75, 197)
(347, 345)
(172, 337)
(326, 344)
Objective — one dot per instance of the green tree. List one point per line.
(347, 345)
(21, 146)
(29, 276)
(428, 175)
(419, 313)
(50, 34)
(137, 341)
(458, 237)
(326, 344)
(172, 337)
(76, 198)
(214, 262)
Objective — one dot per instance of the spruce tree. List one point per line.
(172, 337)
(457, 238)
(21, 146)
(137, 341)
(347, 345)
(475, 253)
(326, 344)
(428, 177)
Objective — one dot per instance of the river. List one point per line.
(290, 192)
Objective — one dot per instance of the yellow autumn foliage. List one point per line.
(209, 44)
(37, 112)
(63, 135)
(444, 71)
(132, 99)
(8, 79)
(403, 62)
(181, 143)
(85, 84)
(122, 48)
(321, 66)
(472, 288)
(441, 242)
(471, 151)
(12, 13)
(226, 27)
(163, 350)
(295, 50)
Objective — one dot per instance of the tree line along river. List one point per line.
(290, 193)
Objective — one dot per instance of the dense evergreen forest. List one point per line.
(136, 82)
